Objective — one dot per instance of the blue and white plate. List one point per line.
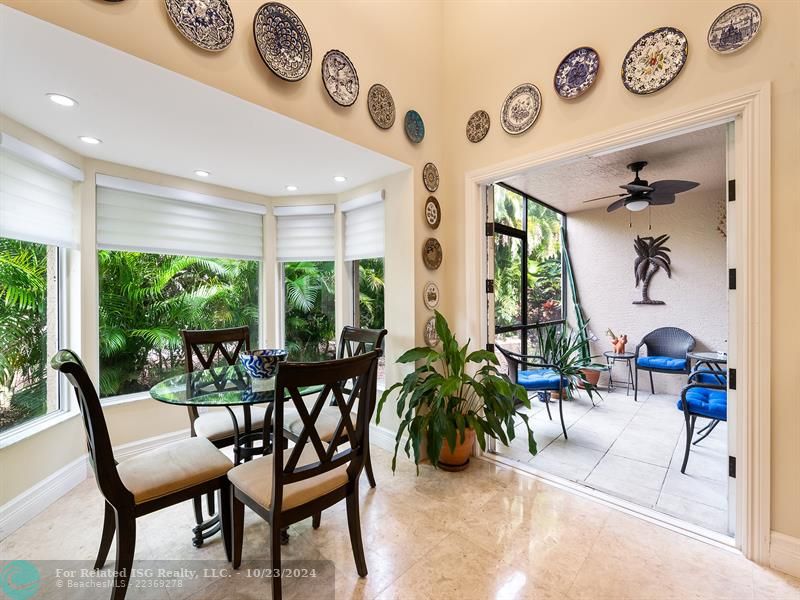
(208, 24)
(655, 60)
(577, 72)
(282, 41)
(262, 364)
(415, 127)
(734, 28)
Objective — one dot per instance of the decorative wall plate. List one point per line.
(734, 28)
(208, 24)
(577, 72)
(654, 60)
(430, 295)
(430, 335)
(430, 177)
(478, 126)
(521, 108)
(432, 254)
(339, 77)
(381, 106)
(415, 127)
(433, 212)
(282, 41)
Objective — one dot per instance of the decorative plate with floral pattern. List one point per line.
(655, 60)
(577, 72)
(208, 24)
(430, 335)
(433, 212)
(414, 126)
(432, 254)
(381, 106)
(282, 41)
(430, 177)
(478, 126)
(521, 108)
(430, 295)
(734, 28)
(340, 78)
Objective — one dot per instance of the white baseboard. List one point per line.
(784, 553)
(21, 509)
(382, 437)
(18, 511)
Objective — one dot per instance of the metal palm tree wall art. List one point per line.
(651, 256)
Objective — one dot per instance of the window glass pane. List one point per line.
(544, 264)
(28, 330)
(507, 280)
(508, 207)
(147, 299)
(310, 317)
(510, 340)
(370, 293)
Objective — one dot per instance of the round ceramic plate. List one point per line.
(430, 295)
(734, 28)
(340, 78)
(282, 41)
(430, 335)
(521, 108)
(381, 106)
(430, 177)
(655, 60)
(478, 126)
(415, 128)
(577, 72)
(432, 254)
(208, 24)
(433, 212)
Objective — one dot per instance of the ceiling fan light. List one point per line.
(637, 205)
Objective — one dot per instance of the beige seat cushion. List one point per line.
(172, 468)
(325, 425)
(254, 478)
(217, 424)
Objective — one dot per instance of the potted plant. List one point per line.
(563, 347)
(445, 406)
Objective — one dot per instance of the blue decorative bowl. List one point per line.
(262, 364)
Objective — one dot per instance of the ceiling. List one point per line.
(152, 118)
(698, 156)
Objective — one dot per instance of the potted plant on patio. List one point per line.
(446, 407)
(562, 347)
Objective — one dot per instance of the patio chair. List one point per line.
(543, 378)
(148, 482)
(295, 483)
(706, 400)
(666, 353)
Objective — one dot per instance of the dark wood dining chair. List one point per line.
(145, 483)
(353, 341)
(295, 483)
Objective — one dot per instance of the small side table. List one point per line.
(613, 357)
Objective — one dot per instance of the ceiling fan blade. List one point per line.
(661, 199)
(618, 204)
(634, 187)
(672, 186)
(605, 197)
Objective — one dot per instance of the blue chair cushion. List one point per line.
(711, 377)
(706, 402)
(540, 379)
(662, 362)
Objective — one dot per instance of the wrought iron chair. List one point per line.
(543, 378)
(666, 353)
(145, 483)
(706, 399)
(299, 482)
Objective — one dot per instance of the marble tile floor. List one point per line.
(489, 532)
(632, 450)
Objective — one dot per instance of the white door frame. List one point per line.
(749, 109)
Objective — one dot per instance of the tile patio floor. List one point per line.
(633, 450)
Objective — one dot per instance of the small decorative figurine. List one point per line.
(617, 343)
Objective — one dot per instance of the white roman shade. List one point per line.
(139, 217)
(305, 233)
(364, 227)
(37, 201)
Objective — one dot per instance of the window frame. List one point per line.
(522, 234)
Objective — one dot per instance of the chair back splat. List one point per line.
(669, 341)
(210, 345)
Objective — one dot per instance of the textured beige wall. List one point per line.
(601, 248)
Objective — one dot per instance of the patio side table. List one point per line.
(611, 359)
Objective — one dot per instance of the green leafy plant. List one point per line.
(560, 346)
(440, 399)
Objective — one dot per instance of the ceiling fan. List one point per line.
(640, 194)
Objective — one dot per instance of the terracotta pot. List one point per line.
(591, 375)
(458, 460)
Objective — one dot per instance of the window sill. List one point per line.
(126, 399)
(36, 427)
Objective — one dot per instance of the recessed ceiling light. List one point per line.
(340, 178)
(291, 188)
(87, 139)
(201, 173)
(62, 100)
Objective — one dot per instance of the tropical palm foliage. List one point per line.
(310, 324)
